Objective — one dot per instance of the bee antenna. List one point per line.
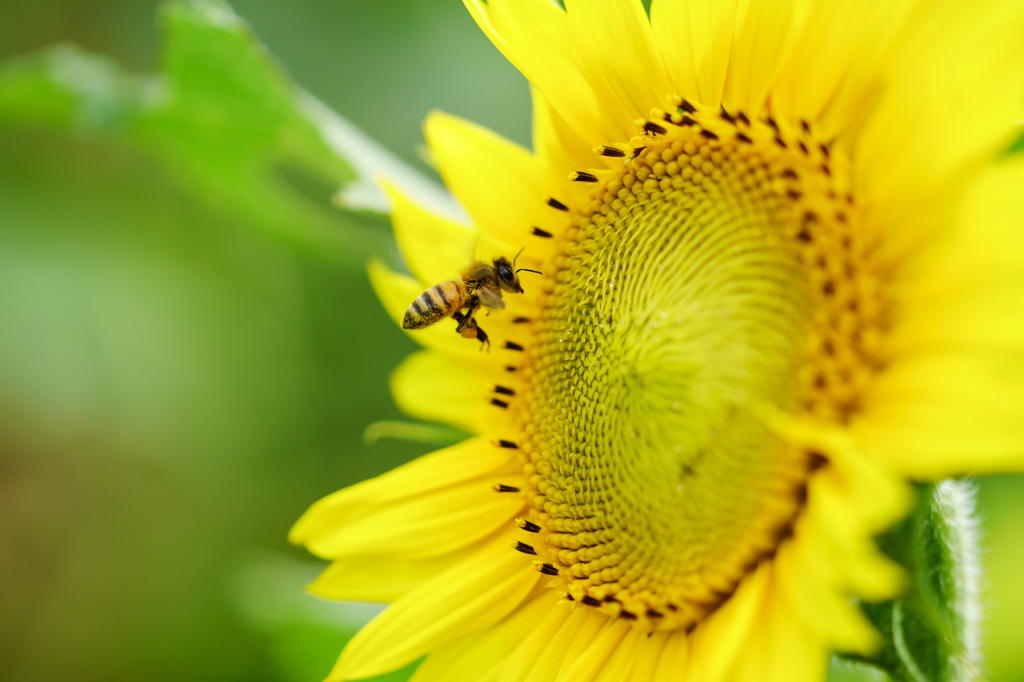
(517, 256)
(526, 270)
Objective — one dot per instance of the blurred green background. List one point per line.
(189, 349)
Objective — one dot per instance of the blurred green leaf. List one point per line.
(1018, 145)
(843, 670)
(229, 124)
(306, 633)
(177, 386)
(176, 390)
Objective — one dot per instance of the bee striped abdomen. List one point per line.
(433, 304)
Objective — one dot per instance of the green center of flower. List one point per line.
(710, 277)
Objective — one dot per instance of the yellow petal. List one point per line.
(593, 624)
(966, 311)
(858, 89)
(634, 648)
(719, 640)
(674, 659)
(950, 399)
(379, 578)
(840, 35)
(843, 528)
(766, 33)
(618, 37)
(525, 657)
(808, 577)
(554, 652)
(537, 37)
(480, 657)
(426, 525)
(781, 648)
(435, 248)
(471, 460)
(558, 147)
(948, 414)
(989, 238)
(589, 663)
(646, 663)
(951, 94)
(539, 658)
(500, 184)
(433, 387)
(467, 598)
(695, 37)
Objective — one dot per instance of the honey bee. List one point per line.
(481, 284)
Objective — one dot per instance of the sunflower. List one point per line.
(781, 279)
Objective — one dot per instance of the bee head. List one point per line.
(508, 276)
(508, 280)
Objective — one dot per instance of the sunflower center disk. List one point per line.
(715, 274)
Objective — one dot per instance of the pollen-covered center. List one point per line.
(714, 276)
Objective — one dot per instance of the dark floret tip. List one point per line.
(528, 526)
(614, 152)
(654, 128)
(523, 547)
(582, 176)
(816, 460)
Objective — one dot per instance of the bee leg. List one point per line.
(473, 331)
(466, 320)
(481, 336)
(467, 326)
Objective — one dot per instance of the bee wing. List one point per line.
(490, 298)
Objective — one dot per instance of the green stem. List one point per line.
(932, 631)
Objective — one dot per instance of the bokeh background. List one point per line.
(181, 377)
